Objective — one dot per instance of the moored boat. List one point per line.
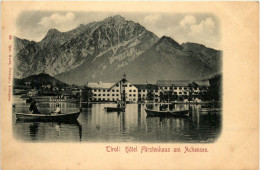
(176, 113)
(114, 109)
(66, 117)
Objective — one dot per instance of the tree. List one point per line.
(86, 93)
(192, 86)
(150, 95)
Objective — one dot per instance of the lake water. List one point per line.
(96, 125)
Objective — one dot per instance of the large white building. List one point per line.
(121, 90)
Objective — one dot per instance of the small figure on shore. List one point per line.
(33, 107)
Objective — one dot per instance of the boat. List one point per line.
(64, 117)
(114, 109)
(120, 107)
(174, 113)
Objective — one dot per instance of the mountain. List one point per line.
(38, 80)
(58, 52)
(105, 50)
(209, 56)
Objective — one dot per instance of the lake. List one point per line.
(96, 125)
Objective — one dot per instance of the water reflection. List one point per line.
(48, 131)
(96, 125)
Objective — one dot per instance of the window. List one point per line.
(99, 94)
(130, 90)
(95, 90)
(133, 94)
(134, 91)
(130, 85)
(113, 90)
(139, 90)
(117, 85)
(156, 91)
(143, 90)
(108, 94)
(117, 90)
(99, 90)
(113, 95)
(103, 94)
(116, 94)
(104, 90)
(130, 94)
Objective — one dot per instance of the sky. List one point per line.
(202, 28)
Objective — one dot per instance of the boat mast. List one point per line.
(80, 100)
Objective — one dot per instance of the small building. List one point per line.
(33, 92)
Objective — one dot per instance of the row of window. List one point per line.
(112, 95)
(124, 85)
(99, 90)
(175, 88)
(156, 91)
(102, 99)
(174, 93)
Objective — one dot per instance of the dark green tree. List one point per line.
(150, 95)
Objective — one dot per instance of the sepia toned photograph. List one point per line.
(125, 77)
(129, 85)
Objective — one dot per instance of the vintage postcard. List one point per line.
(129, 85)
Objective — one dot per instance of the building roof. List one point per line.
(152, 86)
(146, 86)
(202, 83)
(140, 86)
(169, 83)
(100, 85)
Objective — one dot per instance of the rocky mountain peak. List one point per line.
(168, 42)
(115, 18)
(52, 31)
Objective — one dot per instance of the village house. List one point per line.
(181, 87)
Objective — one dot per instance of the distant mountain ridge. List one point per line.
(104, 51)
(40, 79)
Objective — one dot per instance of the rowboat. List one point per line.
(176, 113)
(121, 105)
(64, 117)
(113, 109)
